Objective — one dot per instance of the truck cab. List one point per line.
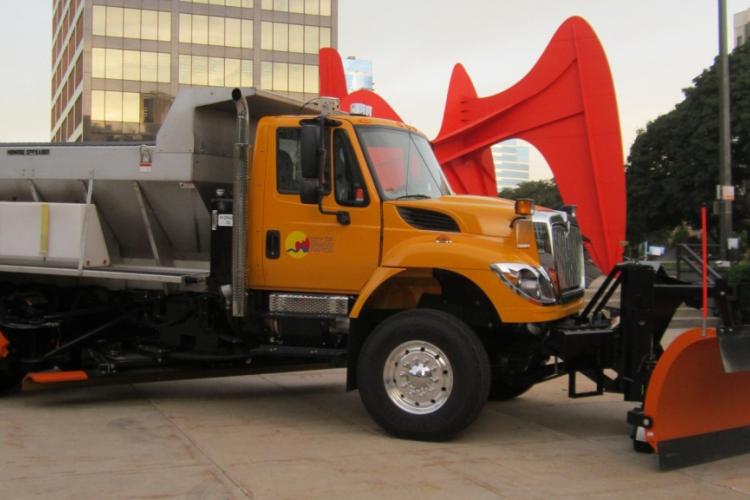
(382, 210)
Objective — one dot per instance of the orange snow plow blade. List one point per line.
(696, 410)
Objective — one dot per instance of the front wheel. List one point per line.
(423, 374)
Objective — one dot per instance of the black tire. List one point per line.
(467, 362)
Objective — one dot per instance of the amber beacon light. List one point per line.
(525, 206)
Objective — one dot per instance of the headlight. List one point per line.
(530, 282)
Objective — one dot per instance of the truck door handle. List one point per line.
(273, 244)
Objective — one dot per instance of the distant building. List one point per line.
(511, 160)
(358, 73)
(117, 64)
(741, 27)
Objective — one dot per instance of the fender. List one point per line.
(469, 256)
(380, 276)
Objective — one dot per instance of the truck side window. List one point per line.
(347, 177)
(288, 163)
(288, 166)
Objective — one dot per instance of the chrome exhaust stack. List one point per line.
(239, 205)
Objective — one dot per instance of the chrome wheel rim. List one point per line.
(418, 377)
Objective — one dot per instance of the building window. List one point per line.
(215, 71)
(281, 37)
(113, 64)
(220, 31)
(280, 77)
(132, 23)
(285, 77)
(232, 73)
(248, 4)
(311, 79)
(296, 78)
(266, 35)
(312, 39)
(233, 33)
(216, 30)
(110, 106)
(294, 37)
(116, 64)
(100, 20)
(310, 7)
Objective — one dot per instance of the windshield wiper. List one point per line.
(415, 196)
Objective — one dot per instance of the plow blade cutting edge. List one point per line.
(696, 411)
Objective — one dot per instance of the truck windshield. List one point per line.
(403, 163)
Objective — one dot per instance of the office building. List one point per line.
(741, 27)
(358, 73)
(117, 64)
(511, 160)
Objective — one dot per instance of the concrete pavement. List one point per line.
(299, 435)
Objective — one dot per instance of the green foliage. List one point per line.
(739, 273)
(543, 192)
(679, 235)
(673, 165)
(738, 278)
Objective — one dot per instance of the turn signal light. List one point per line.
(525, 206)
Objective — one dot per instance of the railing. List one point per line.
(688, 262)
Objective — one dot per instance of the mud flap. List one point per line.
(696, 411)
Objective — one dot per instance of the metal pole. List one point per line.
(725, 152)
(704, 271)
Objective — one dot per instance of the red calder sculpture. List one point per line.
(565, 106)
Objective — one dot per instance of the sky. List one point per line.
(655, 49)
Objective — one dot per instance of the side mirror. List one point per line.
(310, 137)
(310, 191)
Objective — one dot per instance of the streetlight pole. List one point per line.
(726, 189)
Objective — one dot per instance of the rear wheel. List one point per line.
(423, 374)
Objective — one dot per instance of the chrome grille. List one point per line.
(567, 247)
(313, 305)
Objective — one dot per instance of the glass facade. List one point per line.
(117, 64)
(511, 159)
(132, 23)
(295, 38)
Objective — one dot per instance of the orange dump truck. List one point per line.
(259, 234)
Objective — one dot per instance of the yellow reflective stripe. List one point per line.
(44, 230)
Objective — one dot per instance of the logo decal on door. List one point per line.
(297, 244)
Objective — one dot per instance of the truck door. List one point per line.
(307, 250)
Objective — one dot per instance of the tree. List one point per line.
(543, 192)
(673, 164)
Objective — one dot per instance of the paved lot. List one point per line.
(301, 436)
